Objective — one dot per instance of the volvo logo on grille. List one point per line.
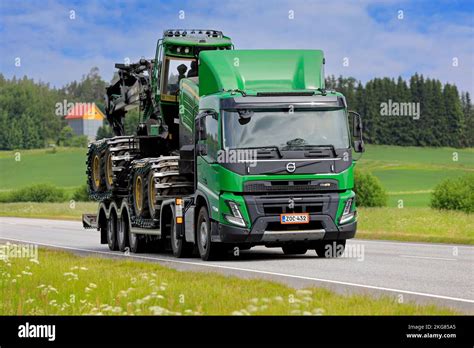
(290, 167)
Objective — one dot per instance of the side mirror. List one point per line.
(359, 146)
(200, 128)
(357, 131)
(201, 149)
(356, 124)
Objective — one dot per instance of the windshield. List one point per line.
(175, 70)
(286, 130)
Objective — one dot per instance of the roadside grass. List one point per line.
(416, 224)
(62, 283)
(407, 224)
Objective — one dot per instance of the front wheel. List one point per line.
(207, 250)
(330, 248)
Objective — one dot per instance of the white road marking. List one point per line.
(210, 265)
(398, 243)
(428, 257)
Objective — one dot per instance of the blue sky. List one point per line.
(54, 48)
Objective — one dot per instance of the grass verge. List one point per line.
(59, 211)
(67, 284)
(416, 224)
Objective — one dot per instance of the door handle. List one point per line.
(204, 180)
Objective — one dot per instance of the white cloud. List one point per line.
(43, 37)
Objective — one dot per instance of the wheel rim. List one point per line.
(110, 175)
(96, 170)
(138, 193)
(203, 233)
(151, 192)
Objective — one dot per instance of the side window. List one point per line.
(212, 140)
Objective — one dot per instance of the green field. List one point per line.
(65, 168)
(60, 283)
(411, 173)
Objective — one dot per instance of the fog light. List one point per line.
(236, 217)
(346, 213)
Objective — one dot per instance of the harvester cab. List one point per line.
(176, 58)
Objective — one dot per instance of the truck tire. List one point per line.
(137, 242)
(330, 248)
(179, 246)
(207, 250)
(112, 232)
(122, 234)
(294, 249)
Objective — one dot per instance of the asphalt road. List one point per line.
(410, 272)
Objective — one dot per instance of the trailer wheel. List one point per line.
(122, 233)
(137, 242)
(179, 246)
(330, 248)
(294, 249)
(112, 232)
(207, 250)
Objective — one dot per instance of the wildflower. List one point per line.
(304, 292)
(252, 308)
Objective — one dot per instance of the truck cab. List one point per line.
(271, 153)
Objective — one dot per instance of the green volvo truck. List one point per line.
(235, 148)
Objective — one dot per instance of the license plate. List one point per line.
(294, 218)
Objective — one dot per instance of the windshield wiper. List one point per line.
(276, 148)
(307, 146)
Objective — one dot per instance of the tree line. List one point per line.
(438, 115)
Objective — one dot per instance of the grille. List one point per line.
(290, 186)
(272, 209)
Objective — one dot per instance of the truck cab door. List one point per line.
(207, 127)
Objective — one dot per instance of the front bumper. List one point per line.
(237, 235)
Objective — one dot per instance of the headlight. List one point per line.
(236, 217)
(347, 215)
